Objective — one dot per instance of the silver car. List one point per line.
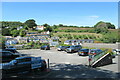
(73, 48)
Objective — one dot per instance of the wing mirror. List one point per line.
(15, 63)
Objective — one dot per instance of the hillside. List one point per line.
(86, 33)
(73, 28)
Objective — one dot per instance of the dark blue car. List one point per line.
(45, 47)
(22, 64)
(83, 52)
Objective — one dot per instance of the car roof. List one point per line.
(95, 49)
(24, 57)
(5, 51)
(84, 49)
(45, 45)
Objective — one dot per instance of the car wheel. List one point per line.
(43, 68)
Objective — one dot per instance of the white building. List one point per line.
(40, 28)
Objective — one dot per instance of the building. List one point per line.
(54, 41)
(40, 27)
(78, 42)
(21, 27)
(35, 34)
(45, 32)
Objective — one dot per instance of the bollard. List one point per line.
(48, 63)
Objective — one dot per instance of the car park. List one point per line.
(83, 52)
(73, 48)
(22, 64)
(45, 47)
(7, 56)
(62, 48)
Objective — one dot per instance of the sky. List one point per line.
(67, 13)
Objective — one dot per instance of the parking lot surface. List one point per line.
(70, 65)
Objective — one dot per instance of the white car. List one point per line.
(117, 51)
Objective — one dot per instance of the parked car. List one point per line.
(13, 51)
(95, 51)
(22, 64)
(45, 47)
(83, 52)
(10, 47)
(116, 51)
(73, 48)
(62, 48)
(7, 56)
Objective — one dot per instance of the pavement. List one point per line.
(69, 65)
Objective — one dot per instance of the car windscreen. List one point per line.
(67, 46)
(6, 54)
(10, 47)
(84, 50)
(72, 46)
(60, 46)
(11, 50)
(92, 51)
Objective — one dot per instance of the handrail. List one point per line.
(97, 56)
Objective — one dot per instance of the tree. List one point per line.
(46, 25)
(26, 27)
(48, 29)
(105, 25)
(5, 32)
(22, 32)
(8, 24)
(39, 31)
(55, 26)
(30, 23)
(2, 42)
(110, 26)
(101, 30)
(61, 25)
(15, 33)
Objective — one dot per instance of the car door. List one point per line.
(77, 48)
(23, 64)
(6, 56)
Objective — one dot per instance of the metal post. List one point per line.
(48, 63)
(89, 57)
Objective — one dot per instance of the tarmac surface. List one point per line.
(68, 65)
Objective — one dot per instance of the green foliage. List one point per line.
(34, 45)
(22, 32)
(30, 23)
(55, 27)
(26, 27)
(101, 30)
(48, 28)
(111, 37)
(9, 24)
(76, 36)
(15, 33)
(69, 36)
(64, 45)
(46, 25)
(60, 36)
(5, 32)
(2, 42)
(110, 26)
(39, 31)
(105, 24)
